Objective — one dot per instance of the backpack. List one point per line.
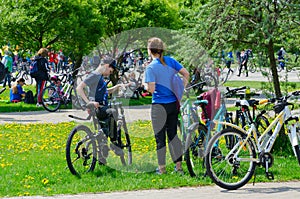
(177, 86)
(29, 99)
(34, 68)
(2, 71)
(213, 97)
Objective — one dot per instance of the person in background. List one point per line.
(42, 74)
(16, 92)
(243, 62)
(52, 57)
(8, 64)
(165, 105)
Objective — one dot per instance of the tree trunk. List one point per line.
(274, 69)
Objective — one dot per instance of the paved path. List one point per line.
(281, 190)
(132, 113)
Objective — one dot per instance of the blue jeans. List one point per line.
(7, 79)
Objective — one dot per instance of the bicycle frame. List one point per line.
(262, 145)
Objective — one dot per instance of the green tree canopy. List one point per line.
(261, 25)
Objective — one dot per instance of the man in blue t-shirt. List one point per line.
(98, 95)
(16, 92)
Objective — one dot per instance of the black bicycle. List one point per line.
(85, 147)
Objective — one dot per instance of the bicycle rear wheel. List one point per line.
(210, 80)
(27, 78)
(196, 143)
(225, 167)
(50, 99)
(252, 67)
(81, 150)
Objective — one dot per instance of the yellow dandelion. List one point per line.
(45, 181)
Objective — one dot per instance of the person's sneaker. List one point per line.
(38, 105)
(179, 171)
(158, 172)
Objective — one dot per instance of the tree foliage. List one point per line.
(73, 25)
(261, 25)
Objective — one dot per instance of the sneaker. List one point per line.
(179, 171)
(158, 172)
(38, 105)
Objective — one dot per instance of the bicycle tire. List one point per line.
(262, 123)
(229, 173)
(51, 99)
(82, 146)
(224, 75)
(77, 101)
(124, 145)
(196, 143)
(27, 78)
(252, 67)
(240, 119)
(211, 80)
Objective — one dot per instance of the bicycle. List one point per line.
(197, 141)
(224, 71)
(85, 146)
(233, 166)
(23, 71)
(243, 116)
(188, 119)
(53, 97)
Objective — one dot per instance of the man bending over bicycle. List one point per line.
(98, 94)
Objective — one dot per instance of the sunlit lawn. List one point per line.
(32, 162)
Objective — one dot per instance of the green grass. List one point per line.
(32, 162)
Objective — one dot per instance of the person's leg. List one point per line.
(9, 80)
(112, 118)
(158, 118)
(5, 80)
(175, 145)
(41, 86)
(246, 69)
(240, 69)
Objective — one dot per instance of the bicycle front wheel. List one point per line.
(125, 145)
(196, 143)
(229, 167)
(50, 99)
(81, 150)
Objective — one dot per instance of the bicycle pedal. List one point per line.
(270, 175)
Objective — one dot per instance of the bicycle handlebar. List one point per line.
(232, 92)
(194, 85)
